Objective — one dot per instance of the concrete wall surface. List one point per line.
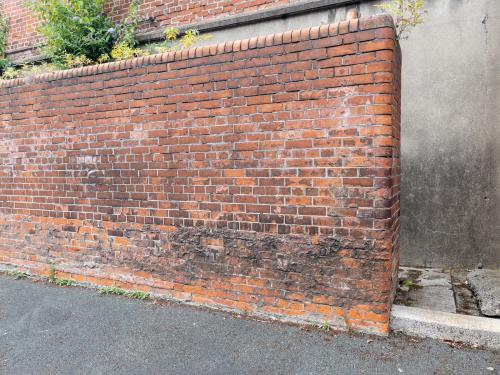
(450, 198)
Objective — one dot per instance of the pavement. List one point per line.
(486, 285)
(430, 289)
(46, 329)
(440, 304)
(475, 292)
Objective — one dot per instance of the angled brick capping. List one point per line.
(260, 175)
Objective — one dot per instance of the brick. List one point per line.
(384, 44)
(343, 50)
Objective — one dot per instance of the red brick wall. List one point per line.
(260, 175)
(182, 12)
(22, 28)
(154, 14)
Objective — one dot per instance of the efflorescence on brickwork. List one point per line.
(260, 175)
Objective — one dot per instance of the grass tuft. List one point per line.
(325, 326)
(112, 290)
(136, 294)
(16, 274)
(65, 282)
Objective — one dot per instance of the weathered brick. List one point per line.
(271, 189)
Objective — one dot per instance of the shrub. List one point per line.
(78, 33)
(29, 70)
(171, 34)
(72, 61)
(191, 37)
(74, 27)
(125, 31)
(122, 51)
(172, 41)
(406, 13)
(4, 30)
(10, 73)
(4, 65)
(16, 274)
(125, 39)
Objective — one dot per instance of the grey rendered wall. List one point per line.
(450, 197)
(450, 194)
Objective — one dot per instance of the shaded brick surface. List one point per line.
(259, 175)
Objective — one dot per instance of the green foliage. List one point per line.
(137, 294)
(112, 290)
(4, 30)
(74, 27)
(65, 282)
(126, 30)
(8, 72)
(125, 43)
(103, 59)
(152, 48)
(16, 274)
(171, 34)
(406, 13)
(191, 37)
(123, 51)
(408, 283)
(29, 70)
(78, 33)
(325, 326)
(121, 292)
(173, 42)
(72, 61)
(4, 64)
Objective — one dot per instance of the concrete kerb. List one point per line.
(471, 330)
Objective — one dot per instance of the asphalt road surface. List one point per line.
(70, 330)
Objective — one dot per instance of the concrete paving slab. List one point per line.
(486, 286)
(429, 289)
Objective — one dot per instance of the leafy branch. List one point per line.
(4, 30)
(406, 13)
